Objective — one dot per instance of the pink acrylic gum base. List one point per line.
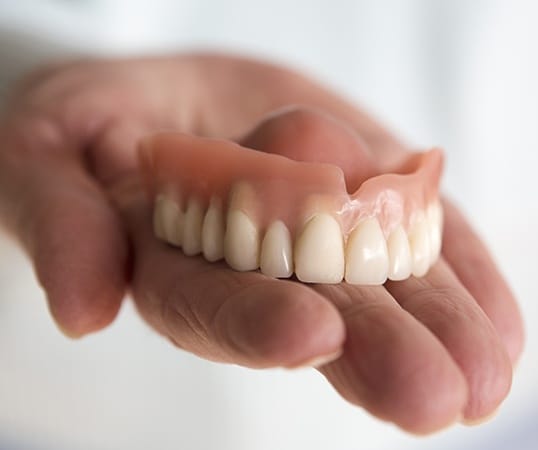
(184, 166)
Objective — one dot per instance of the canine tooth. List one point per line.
(367, 259)
(192, 228)
(167, 219)
(400, 263)
(435, 225)
(276, 258)
(419, 241)
(319, 251)
(241, 242)
(213, 232)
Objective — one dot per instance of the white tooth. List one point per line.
(167, 220)
(213, 232)
(192, 228)
(276, 258)
(319, 251)
(241, 242)
(367, 259)
(400, 264)
(419, 241)
(435, 225)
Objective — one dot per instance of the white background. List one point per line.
(460, 74)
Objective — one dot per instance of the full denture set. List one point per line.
(264, 211)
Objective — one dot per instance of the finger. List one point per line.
(222, 315)
(473, 265)
(264, 88)
(445, 307)
(312, 135)
(71, 233)
(392, 365)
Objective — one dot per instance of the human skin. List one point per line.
(420, 353)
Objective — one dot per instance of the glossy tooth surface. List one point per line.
(167, 220)
(367, 259)
(419, 241)
(400, 263)
(241, 242)
(276, 258)
(192, 228)
(319, 251)
(213, 232)
(435, 224)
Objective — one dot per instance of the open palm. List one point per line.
(421, 353)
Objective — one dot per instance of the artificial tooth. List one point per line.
(400, 263)
(241, 242)
(167, 220)
(419, 241)
(276, 258)
(319, 251)
(435, 226)
(367, 259)
(192, 228)
(213, 232)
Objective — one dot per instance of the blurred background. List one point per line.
(460, 74)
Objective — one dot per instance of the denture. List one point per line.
(264, 211)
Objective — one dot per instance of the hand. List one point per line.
(420, 353)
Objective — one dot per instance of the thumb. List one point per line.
(69, 229)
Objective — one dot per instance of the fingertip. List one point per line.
(282, 324)
(442, 410)
(77, 315)
(433, 398)
(490, 386)
(80, 259)
(395, 368)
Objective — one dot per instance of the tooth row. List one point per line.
(319, 255)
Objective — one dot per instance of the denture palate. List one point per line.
(264, 211)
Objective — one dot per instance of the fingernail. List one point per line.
(479, 420)
(319, 361)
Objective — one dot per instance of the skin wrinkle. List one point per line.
(493, 380)
(491, 293)
(373, 392)
(225, 325)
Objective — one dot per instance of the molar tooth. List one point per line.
(419, 241)
(192, 228)
(367, 259)
(213, 232)
(400, 263)
(241, 242)
(276, 258)
(435, 225)
(167, 219)
(319, 251)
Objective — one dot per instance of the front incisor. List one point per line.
(367, 260)
(276, 258)
(319, 251)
